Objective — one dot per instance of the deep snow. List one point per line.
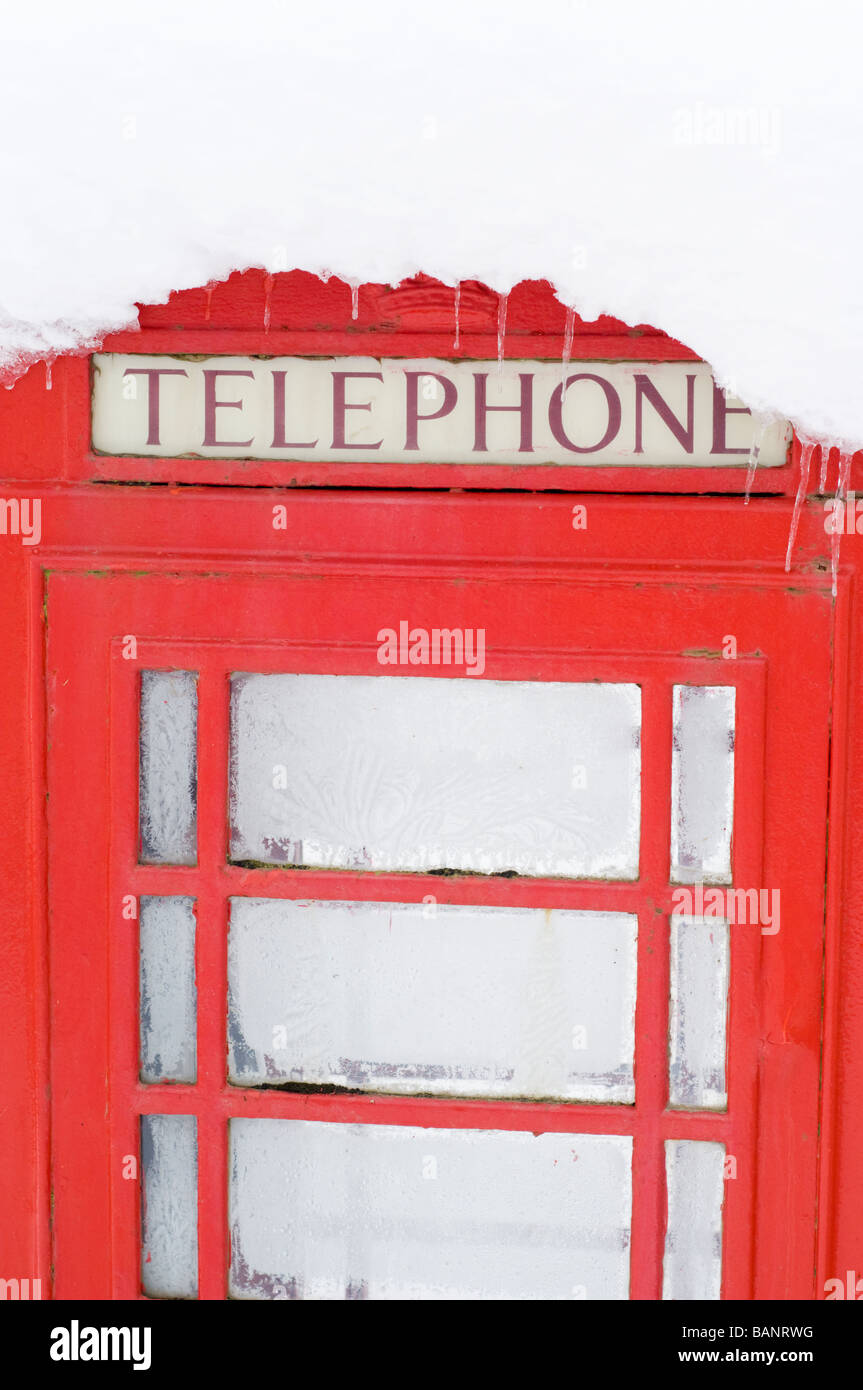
(690, 166)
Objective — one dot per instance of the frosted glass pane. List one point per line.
(702, 775)
(167, 983)
(415, 773)
(168, 767)
(333, 1211)
(692, 1267)
(433, 999)
(169, 1160)
(699, 1007)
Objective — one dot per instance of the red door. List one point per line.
(252, 863)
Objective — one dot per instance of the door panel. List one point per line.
(289, 728)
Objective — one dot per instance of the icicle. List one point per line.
(568, 332)
(355, 300)
(268, 292)
(48, 381)
(457, 306)
(501, 329)
(761, 427)
(209, 294)
(825, 458)
(839, 517)
(806, 452)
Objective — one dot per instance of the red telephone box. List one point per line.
(429, 814)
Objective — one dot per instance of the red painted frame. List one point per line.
(206, 623)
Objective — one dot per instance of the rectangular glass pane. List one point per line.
(334, 1211)
(699, 1008)
(417, 773)
(428, 998)
(168, 767)
(692, 1267)
(167, 989)
(702, 776)
(169, 1163)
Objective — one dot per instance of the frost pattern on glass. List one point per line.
(408, 997)
(692, 1266)
(168, 767)
(702, 776)
(699, 1009)
(169, 1245)
(335, 1211)
(418, 773)
(167, 989)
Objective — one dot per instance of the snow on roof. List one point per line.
(695, 167)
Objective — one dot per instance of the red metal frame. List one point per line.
(671, 574)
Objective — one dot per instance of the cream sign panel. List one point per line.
(396, 410)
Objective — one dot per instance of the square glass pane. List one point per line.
(417, 773)
(335, 1211)
(432, 999)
